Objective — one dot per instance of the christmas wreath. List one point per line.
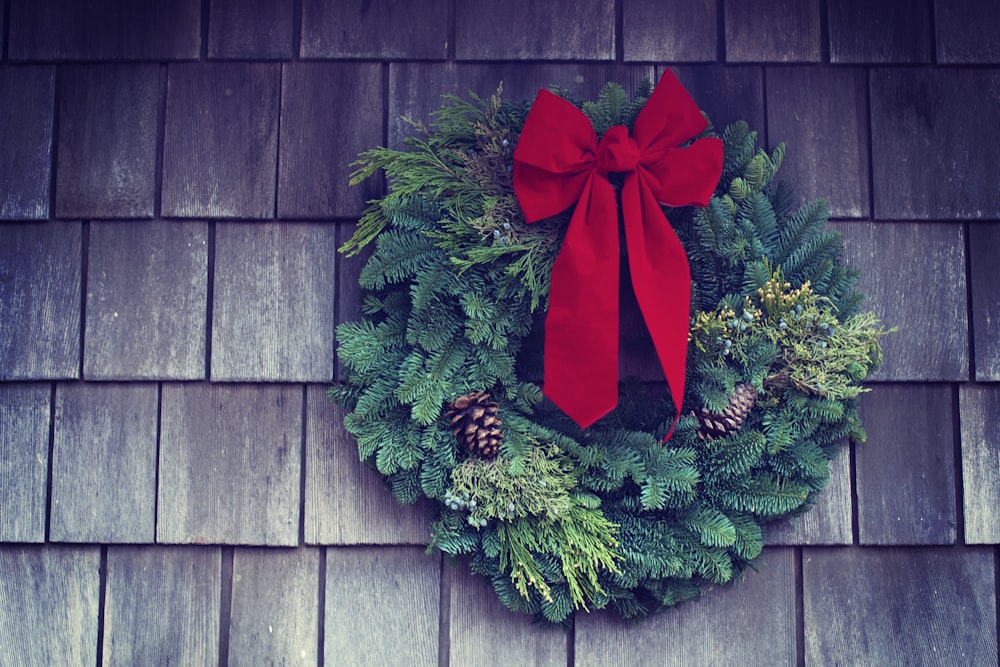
(498, 254)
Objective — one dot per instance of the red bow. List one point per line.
(559, 162)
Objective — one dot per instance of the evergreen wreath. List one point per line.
(441, 371)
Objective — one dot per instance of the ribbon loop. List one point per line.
(559, 162)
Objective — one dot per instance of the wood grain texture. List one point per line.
(27, 106)
(220, 150)
(230, 464)
(964, 31)
(24, 460)
(415, 89)
(913, 278)
(104, 463)
(930, 122)
(147, 297)
(49, 598)
(514, 30)
(930, 606)
(275, 607)
(828, 126)
(40, 270)
(984, 248)
(727, 94)
(751, 622)
(108, 116)
(273, 308)
(507, 638)
(979, 411)
(671, 31)
(772, 31)
(382, 29)
(346, 501)
(104, 29)
(381, 606)
(321, 137)
(259, 29)
(162, 606)
(829, 521)
(879, 31)
(906, 468)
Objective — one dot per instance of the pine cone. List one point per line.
(718, 425)
(474, 421)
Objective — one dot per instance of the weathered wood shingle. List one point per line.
(273, 307)
(330, 112)
(933, 606)
(26, 118)
(104, 463)
(375, 29)
(24, 460)
(230, 464)
(727, 94)
(221, 144)
(49, 600)
(829, 521)
(879, 31)
(40, 277)
(162, 605)
(258, 29)
(984, 249)
(772, 31)
(147, 301)
(965, 31)
(104, 29)
(108, 124)
(515, 30)
(671, 31)
(979, 410)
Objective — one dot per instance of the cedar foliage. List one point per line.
(612, 517)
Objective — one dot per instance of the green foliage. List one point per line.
(565, 519)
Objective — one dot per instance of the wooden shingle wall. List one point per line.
(174, 485)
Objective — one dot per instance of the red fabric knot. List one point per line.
(617, 152)
(559, 163)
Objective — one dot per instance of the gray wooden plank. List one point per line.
(348, 291)
(104, 30)
(229, 464)
(321, 137)
(40, 269)
(162, 606)
(670, 31)
(829, 521)
(104, 463)
(979, 411)
(964, 31)
(220, 149)
(379, 29)
(147, 301)
(346, 502)
(727, 94)
(879, 31)
(913, 276)
(930, 122)
(382, 606)
(906, 468)
(275, 607)
(49, 598)
(108, 116)
(514, 30)
(984, 248)
(257, 29)
(772, 31)
(828, 125)
(932, 606)
(27, 106)
(751, 622)
(484, 632)
(415, 89)
(24, 460)
(273, 308)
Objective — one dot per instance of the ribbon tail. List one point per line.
(661, 279)
(581, 328)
